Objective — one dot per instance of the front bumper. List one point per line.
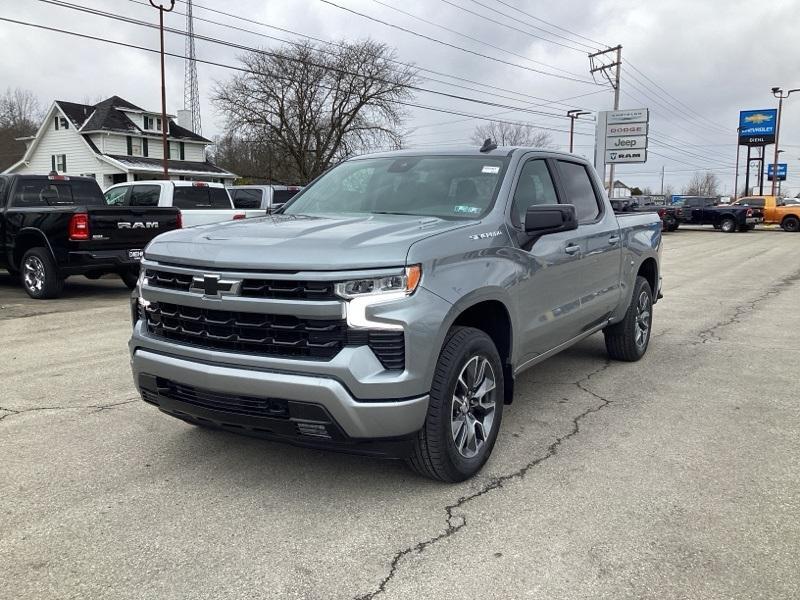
(311, 410)
(754, 220)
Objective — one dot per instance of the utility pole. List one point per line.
(780, 95)
(595, 67)
(164, 143)
(662, 180)
(574, 114)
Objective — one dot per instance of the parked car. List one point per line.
(200, 203)
(777, 211)
(52, 226)
(696, 210)
(261, 198)
(389, 307)
(669, 214)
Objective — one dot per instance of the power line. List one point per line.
(455, 46)
(244, 70)
(342, 45)
(507, 26)
(138, 22)
(472, 38)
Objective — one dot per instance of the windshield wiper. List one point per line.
(386, 212)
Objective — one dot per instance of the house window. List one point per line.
(175, 150)
(61, 123)
(59, 162)
(152, 123)
(144, 146)
(134, 146)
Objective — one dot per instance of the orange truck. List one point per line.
(777, 211)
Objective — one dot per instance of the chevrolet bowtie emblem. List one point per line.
(213, 286)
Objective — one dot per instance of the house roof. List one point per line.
(619, 184)
(107, 116)
(179, 166)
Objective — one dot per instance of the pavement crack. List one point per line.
(456, 522)
(94, 408)
(710, 334)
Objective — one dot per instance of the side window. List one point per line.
(116, 196)
(579, 190)
(42, 192)
(535, 186)
(247, 198)
(201, 197)
(145, 195)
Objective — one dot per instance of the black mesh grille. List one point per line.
(229, 403)
(272, 289)
(268, 335)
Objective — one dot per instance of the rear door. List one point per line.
(202, 204)
(598, 286)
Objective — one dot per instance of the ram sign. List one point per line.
(757, 127)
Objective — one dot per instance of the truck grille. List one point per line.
(269, 335)
(271, 289)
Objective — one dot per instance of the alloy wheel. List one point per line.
(473, 406)
(642, 322)
(33, 274)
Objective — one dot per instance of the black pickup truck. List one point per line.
(670, 215)
(698, 210)
(54, 226)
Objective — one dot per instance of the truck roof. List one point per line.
(465, 150)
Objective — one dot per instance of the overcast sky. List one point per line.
(713, 57)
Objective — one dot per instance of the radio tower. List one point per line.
(191, 91)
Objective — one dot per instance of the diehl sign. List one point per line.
(627, 143)
(757, 127)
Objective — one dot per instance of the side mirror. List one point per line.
(550, 218)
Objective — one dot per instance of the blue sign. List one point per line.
(757, 127)
(782, 169)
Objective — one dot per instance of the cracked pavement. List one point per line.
(676, 477)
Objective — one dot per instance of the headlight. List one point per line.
(405, 284)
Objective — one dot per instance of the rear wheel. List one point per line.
(628, 339)
(40, 276)
(728, 225)
(464, 411)
(791, 224)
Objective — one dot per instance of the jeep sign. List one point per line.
(627, 143)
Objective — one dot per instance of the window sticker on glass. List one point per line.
(468, 210)
(490, 169)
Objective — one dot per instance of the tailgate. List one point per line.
(116, 228)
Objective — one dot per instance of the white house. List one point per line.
(620, 190)
(115, 141)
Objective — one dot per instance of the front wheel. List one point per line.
(628, 339)
(40, 276)
(464, 411)
(728, 226)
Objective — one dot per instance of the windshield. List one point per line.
(450, 187)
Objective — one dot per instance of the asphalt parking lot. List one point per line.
(676, 477)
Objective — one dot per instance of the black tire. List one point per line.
(669, 224)
(728, 225)
(621, 338)
(676, 226)
(791, 224)
(436, 453)
(93, 276)
(130, 278)
(39, 274)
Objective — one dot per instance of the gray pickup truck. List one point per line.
(389, 306)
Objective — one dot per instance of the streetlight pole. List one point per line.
(164, 143)
(780, 95)
(736, 177)
(573, 114)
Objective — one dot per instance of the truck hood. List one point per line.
(299, 242)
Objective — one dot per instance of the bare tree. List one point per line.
(512, 134)
(20, 115)
(703, 184)
(313, 108)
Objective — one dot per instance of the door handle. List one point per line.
(572, 249)
(613, 239)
